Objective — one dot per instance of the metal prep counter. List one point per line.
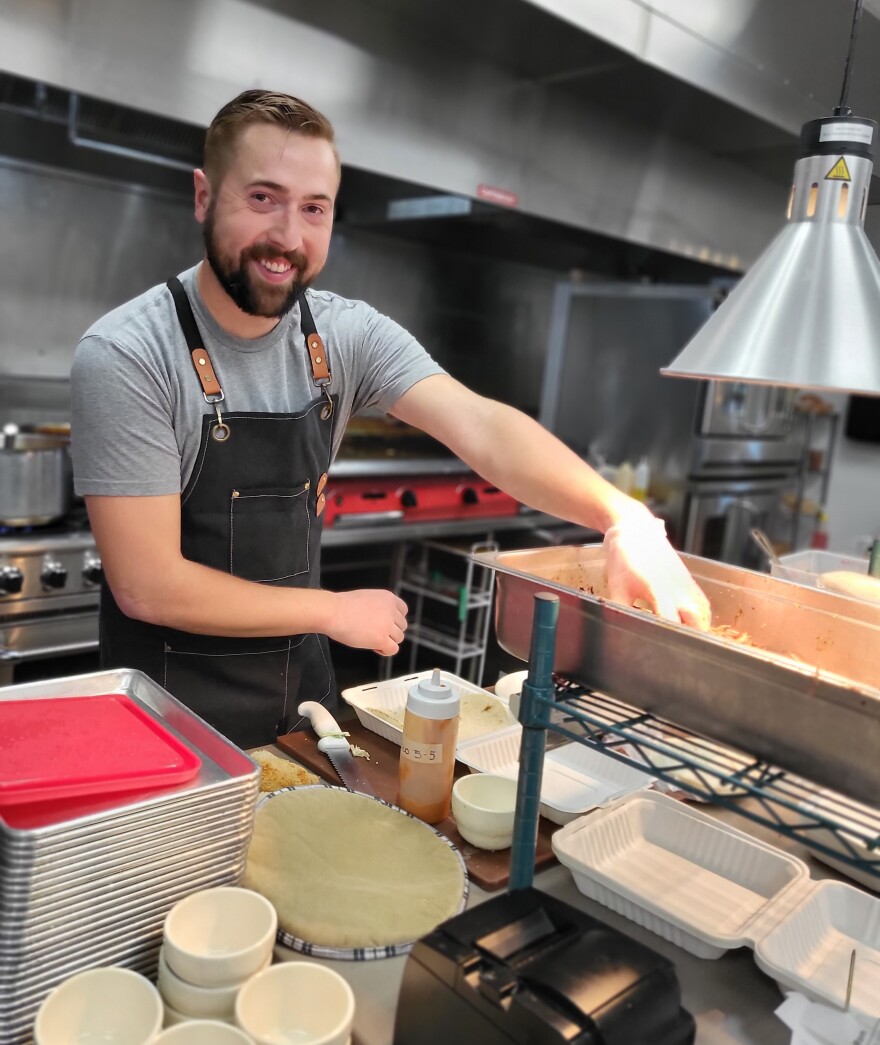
(732, 1001)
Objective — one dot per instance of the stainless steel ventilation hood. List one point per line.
(626, 119)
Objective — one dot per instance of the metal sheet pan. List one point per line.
(809, 701)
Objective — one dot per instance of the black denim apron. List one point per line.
(251, 508)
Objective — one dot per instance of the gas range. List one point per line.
(50, 585)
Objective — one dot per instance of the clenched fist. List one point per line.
(368, 618)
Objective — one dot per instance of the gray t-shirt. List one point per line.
(137, 404)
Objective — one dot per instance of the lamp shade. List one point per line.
(807, 313)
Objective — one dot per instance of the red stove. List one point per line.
(355, 501)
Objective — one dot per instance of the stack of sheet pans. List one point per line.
(93, 887)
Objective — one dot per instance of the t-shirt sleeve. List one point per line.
(122, 436)
(394, 361)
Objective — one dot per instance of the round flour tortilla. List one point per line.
(346, 872)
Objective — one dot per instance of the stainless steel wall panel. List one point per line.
(415, 106)
(72, 248)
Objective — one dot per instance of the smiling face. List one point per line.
(267, 224)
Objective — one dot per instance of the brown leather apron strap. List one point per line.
(317, 353)
(198, 353)
(205, 370)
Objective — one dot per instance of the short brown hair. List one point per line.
(258, 106)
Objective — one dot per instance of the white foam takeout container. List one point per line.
(708, 887)
(390, 696)
(576, 778)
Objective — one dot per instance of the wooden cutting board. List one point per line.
(491, 871)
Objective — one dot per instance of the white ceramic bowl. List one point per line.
(483, 807)
(109, 1004)
(296, 1001)
(219, 937)
(206, 1003)
(203, 1032)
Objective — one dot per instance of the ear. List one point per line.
(202, 194)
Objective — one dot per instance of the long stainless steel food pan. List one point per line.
(808, 701)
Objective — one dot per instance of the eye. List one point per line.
(261, 200)
(315, 208)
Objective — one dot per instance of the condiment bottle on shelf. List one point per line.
(641, 480)
(820, 534)
(427, 751)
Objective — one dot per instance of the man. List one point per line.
(206, 414)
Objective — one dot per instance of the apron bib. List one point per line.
(252, 508)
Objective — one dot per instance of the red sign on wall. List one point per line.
(492, 194)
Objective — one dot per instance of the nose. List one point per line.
(286, 230)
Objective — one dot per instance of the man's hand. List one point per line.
(642, 566)
(368, 618)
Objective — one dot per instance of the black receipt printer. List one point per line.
(524, 967)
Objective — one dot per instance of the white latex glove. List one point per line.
(643, 567)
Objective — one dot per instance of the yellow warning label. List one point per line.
(839, 172)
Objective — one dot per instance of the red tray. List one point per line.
(69, 747)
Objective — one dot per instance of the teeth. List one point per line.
(276, 266)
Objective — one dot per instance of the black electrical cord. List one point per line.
(843, 109)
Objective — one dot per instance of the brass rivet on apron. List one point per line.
(307, 484)
(314, 344)
(235, 493)
(202, 362)
(317, 359)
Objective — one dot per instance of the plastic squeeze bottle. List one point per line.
(427, 751)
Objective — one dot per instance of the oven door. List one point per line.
(734, 408)
(719, 517)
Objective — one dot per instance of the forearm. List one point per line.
(519, 456)
(198, 599)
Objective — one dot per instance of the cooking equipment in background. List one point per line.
(746, 459)
(50, 586)
(414, 498)
(36, 479)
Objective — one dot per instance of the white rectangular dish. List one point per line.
(708, 887)
(377, 699)
(575, 780)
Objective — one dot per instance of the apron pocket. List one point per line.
(238, 686)
(269, 533)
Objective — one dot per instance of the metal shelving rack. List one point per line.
(463, 633)
(791, 805)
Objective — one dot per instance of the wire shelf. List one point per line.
(816, 817)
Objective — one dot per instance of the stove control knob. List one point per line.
(11, 580)
(93, 571)
(469, 495)
(53, 575)
(408, 499)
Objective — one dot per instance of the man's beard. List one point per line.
(256, 299)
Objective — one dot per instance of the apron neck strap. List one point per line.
(201, 361)
(314, 345)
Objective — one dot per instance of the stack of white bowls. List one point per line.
(214, 941)
(121, 1007)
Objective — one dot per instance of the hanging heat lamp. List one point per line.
(807, 313)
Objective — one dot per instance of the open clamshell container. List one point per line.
(805, 696)
(576, 778)
(708, 887)
(388, 698)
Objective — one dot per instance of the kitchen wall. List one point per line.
(72, 247)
